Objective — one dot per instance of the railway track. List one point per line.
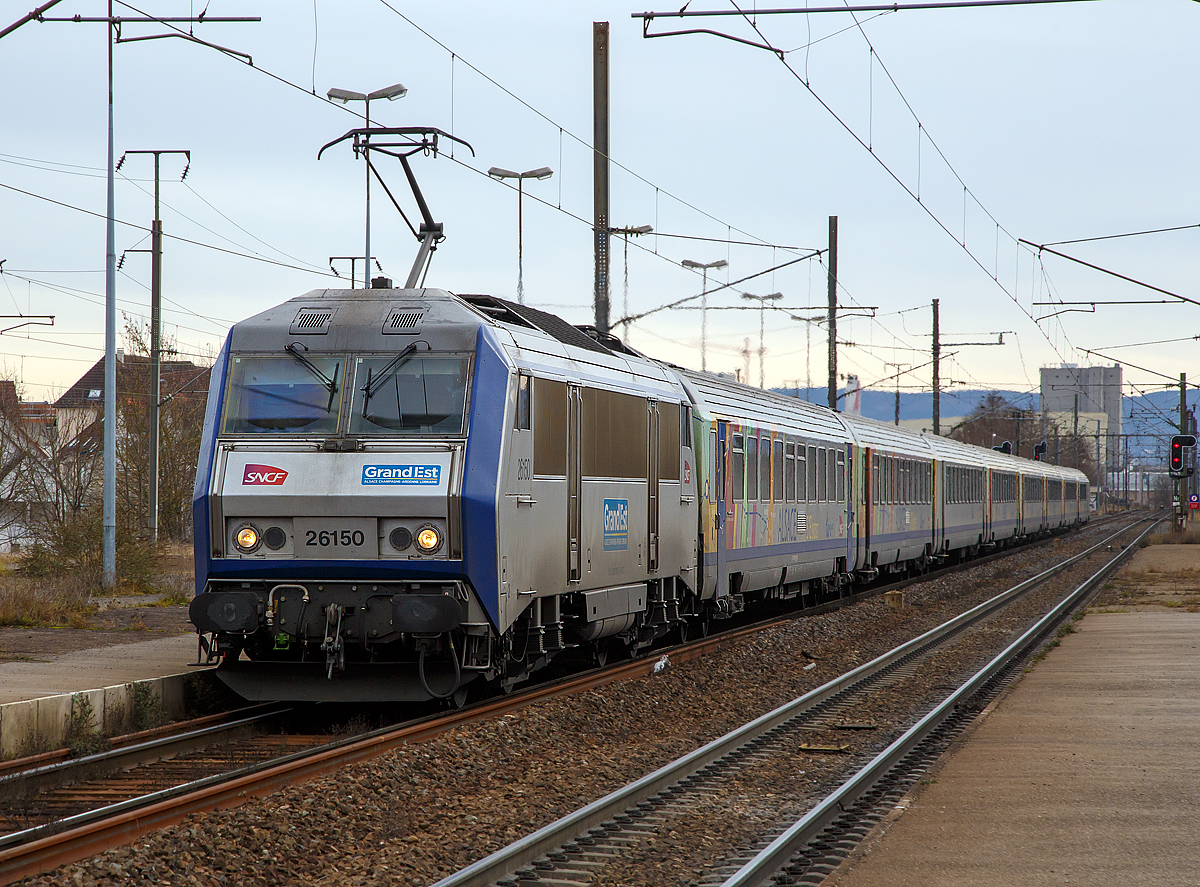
(626, 829)
(261, 770)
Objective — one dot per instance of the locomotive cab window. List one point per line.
(415, 393)
(296, 393)
(523, 417)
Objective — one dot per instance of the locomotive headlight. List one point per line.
(428, 539)
(247, 538)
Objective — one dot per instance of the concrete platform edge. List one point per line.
(35, 725)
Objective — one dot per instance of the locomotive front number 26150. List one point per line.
(343, 537)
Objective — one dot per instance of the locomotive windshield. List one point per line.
(296, 393)
(417, 393)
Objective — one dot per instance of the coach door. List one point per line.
(866, 495)
(722, 515)
(574, 481)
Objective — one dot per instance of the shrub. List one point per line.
(75, 546)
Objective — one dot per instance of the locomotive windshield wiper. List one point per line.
(329, 383)
(372, 384)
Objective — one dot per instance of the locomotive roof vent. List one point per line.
(403, 321)
(312, 321)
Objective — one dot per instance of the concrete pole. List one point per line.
(937, 382)
(155, 359)
(600, 166)
(1183, 426)
(833, 235)
(109, 491)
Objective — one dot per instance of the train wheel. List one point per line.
(458, 699)
(600, 653)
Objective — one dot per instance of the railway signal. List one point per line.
(1178, 458)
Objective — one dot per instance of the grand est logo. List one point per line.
(263, 474)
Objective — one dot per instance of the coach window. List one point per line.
(752, 468)
(801, 473)
(764, 469)
(772, 478)
(822, 475)
(841, 476)
(812, 474)
(739, 467)
(789, 473)
(777, 471)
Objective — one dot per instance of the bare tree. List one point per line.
(182, 398)
(996, 420)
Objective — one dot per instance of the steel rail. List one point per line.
(105, 763)
(525, 850)
(32, 762)
(102, 829)
(774, 857)
(139, 817)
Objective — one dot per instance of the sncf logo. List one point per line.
(264, 474)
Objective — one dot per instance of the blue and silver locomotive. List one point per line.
(404, 491)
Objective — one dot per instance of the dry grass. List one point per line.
(65, 599)
(1189, 536)
(45, 601)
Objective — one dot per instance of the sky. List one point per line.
(941, 139)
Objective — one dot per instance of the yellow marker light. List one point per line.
(428, 539)
(247, 538)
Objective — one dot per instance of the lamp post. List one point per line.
(541, 174)
(391, 93)
(719, 263)
(637, 231)
(762, 316)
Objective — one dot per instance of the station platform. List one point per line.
(1086, 772)
(49, 675)
(40, 691)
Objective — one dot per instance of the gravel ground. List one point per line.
(423, 811)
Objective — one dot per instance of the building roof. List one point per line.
(88, 390)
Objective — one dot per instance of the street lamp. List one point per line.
(541, 174)
(762, 316)
(637, 231)
(391, 93)
(719, 263)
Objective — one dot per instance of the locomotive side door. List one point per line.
(652, 491)
(722, 498)
(574, 482)
(520, 465)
